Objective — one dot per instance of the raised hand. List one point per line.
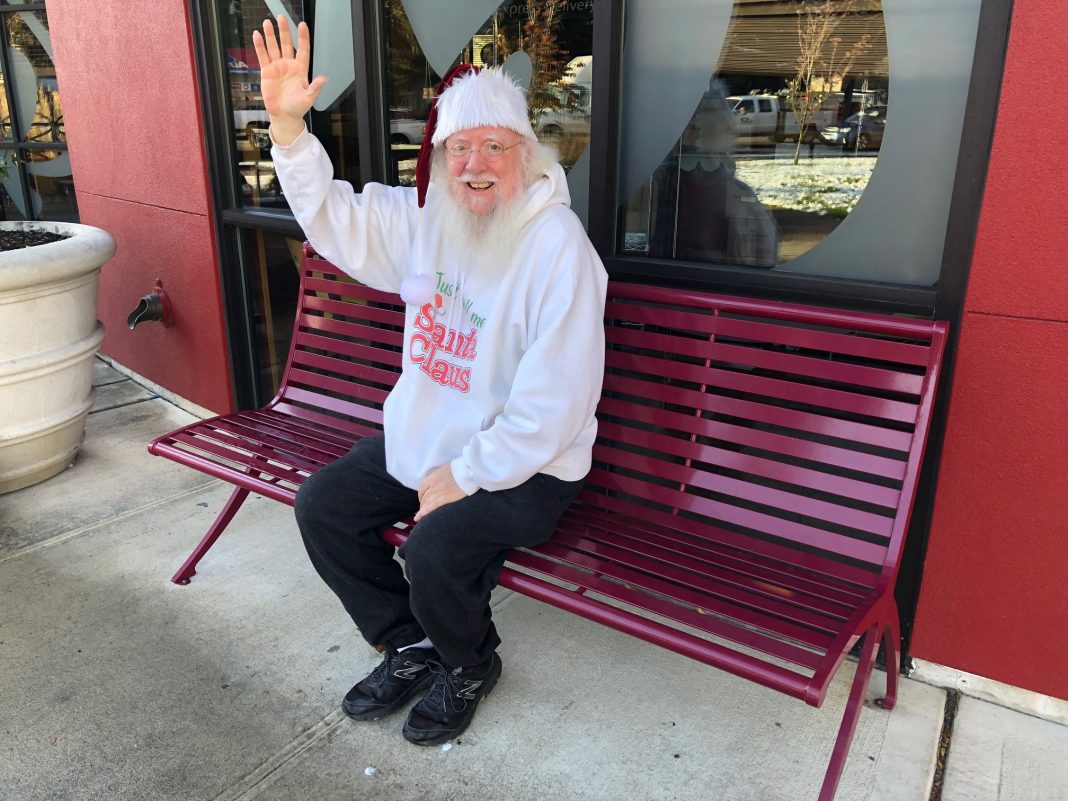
(287, 94)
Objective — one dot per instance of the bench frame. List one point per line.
(729, 516)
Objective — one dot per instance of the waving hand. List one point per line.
(287, 94)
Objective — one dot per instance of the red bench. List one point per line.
(752, 483)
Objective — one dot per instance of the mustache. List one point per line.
(476, 178)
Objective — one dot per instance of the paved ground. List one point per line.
(116, 684)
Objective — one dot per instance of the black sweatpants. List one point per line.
(452, 558)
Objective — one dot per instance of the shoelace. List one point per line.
(444, 689)
(385, 667)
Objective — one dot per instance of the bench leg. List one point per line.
(188, 569)
(891, 644)
(852, 714)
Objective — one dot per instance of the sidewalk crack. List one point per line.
(278, 765)
(67, 535)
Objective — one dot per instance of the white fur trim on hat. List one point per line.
(486, 98)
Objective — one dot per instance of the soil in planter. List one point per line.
(13, 240)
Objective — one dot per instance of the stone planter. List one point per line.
(49, 336)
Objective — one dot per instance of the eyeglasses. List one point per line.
(490, 150)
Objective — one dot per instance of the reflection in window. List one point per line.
(544, 44)
(40, 115)
(256, 182)
(56, 191)
(35, 167)
(782, 141)
(5, 111)
(273, 265)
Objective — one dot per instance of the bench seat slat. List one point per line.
(719, 567)
(825, 483)
(270, 433)
(301, 428)
(701, 588)
(266, 443)
(274, 469)
(789, 502)
(781, 416)
(628, 413)
(746, 562)
(290, 406)
(820, 397)
(805, 367)
(687, 616)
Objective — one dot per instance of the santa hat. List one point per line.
(466, 98)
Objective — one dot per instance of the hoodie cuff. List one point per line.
(300, 137)
(463, 477)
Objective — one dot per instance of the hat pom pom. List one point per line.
(418, 289)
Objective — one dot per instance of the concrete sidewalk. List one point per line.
(116, 684)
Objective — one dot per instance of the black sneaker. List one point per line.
(450, 703)
(399, 677)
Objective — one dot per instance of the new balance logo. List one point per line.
(410, 670)
(469, 689)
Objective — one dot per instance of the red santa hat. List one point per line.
(466, 98)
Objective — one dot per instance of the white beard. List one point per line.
(488, 240)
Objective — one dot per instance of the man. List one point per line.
(489, 431)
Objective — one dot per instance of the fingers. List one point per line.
(316, 86)
(271, 41)
(261, 50)
(285, 38)
(304, 44)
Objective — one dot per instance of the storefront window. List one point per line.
(546, 45)
(816, 137)
(35, 168)
(267, 275)
(273, 263)
(333, 120)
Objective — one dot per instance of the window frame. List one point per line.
(21, 147)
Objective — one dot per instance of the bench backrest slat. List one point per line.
(800, 337)
(343, 331)
(809, 420)
(779, 361)
(770, 386)
(757, 466)
(740, 433)
(787, 502)
(359, 370)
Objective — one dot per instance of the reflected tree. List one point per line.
(824, 61)
(541, 43)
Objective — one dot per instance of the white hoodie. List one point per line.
(502, 379)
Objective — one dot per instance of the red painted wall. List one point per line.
(132, 116)
(995, 584)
